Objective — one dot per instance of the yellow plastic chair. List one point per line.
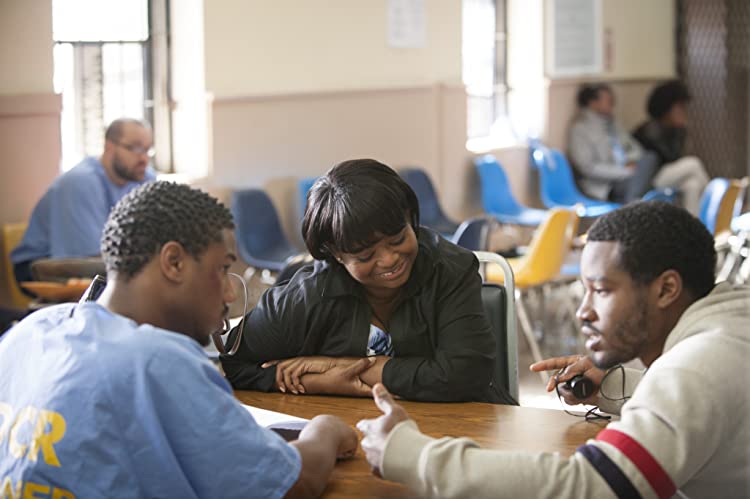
(12, 235)
(728, 207)
(540, 267)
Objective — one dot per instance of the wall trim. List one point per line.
(333, 93)
(560, 82)
(24, 105)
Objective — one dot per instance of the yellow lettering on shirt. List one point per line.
(44, 440)
(31, 489)
(25, 415)
(62, 494)
(7, 489)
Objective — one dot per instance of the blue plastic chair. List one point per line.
(303, 186)
(558, 187)
(260, 240)
(668, 195)
(497, 197)
(430, 213)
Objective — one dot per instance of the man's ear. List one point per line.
(172, 262)
(667, 288)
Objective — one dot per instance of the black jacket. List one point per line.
(444, 348)
(667, 143)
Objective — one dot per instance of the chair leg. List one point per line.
(528, 331)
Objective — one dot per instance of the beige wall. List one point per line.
(299, 86)
(29, 111)
(272, 141)
(642, 38)
(256, 47)
(25, 46)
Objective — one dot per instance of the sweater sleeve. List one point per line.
(461, 366)
(617, 387)
(457, 468)
(657, 446)
(583, 155)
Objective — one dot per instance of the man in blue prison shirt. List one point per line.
(67, 222)
(116, 398)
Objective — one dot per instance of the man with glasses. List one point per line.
(67, 222)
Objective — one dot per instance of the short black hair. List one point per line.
(352, 202)
(154, 214)
(655, 236)
(666, 95)
(115, 129)
(590, 92)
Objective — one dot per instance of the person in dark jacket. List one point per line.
(382, 288)
(664, 134)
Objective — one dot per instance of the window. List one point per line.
(103, 69)
(484, 66)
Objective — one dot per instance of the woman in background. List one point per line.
(385, 301)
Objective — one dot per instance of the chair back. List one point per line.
(472, 234)
(718, 204)
(12, 235)
(556, 182)
(430, 213)
(497, 197)
(499, 307)
(260, 239)
(548, 248)
(303, 187)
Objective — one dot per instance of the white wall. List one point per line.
(259, 47)
(190, 133)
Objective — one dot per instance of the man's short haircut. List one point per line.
(590, 92)
(654, 237)
(115, 129)
(666, 95)
(154, 214)
(353, 202)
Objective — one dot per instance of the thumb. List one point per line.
(360, 366)
(383, 398)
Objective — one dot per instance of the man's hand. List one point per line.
(567, 368)
(376, 431)
(332, 429)
(341, 379)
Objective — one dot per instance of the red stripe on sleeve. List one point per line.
(658, 478)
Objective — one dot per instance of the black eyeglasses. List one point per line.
(139, 150)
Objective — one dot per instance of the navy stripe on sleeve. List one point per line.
(612, 474)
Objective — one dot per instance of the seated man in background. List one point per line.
(116, 398)
(67, 222)
(664, 134)
(648, 275)
(610, 163)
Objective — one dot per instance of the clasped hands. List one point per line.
(319, 374)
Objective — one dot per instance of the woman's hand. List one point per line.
(341, 379)
(289, 371)
(332, 371)
(568, 367)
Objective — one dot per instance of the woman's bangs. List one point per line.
(358, 224)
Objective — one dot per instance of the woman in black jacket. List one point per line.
(384, 301)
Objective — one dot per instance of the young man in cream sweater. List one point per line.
(648, 273)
